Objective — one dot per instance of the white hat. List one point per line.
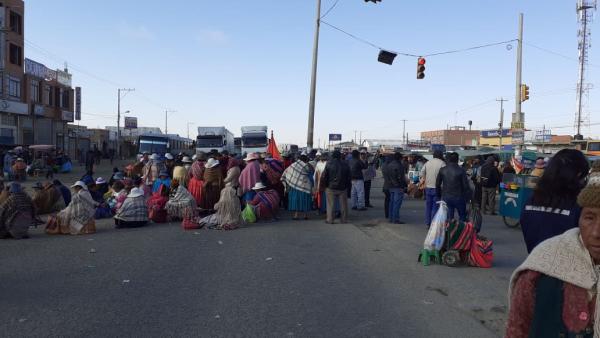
(251, 157)
(100, 180)
(194, 157)
(80, 184)
(212, 163)
(186, 159)
(136, 192)
(258, 186)
(154, 157)
(168, 156)
(319, 153)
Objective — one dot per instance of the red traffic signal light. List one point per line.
(421, 68)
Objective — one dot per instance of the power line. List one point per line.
(329, 10)
(556, 53)
(471, 48)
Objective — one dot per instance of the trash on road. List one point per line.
(220, 242)
(21, 320)
(427, 302)
(217, 317)
(126, 280)
(269, 259)
(196, 233)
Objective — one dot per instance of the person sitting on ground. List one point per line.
(78, 217)
(17, 214)
(133, 213)
(47, 199)
(19, 168)
(213, 184)
(228, 208)
(64, 191)
(233, 173)
(102, 186)
(157, 205)
(553, 209)
(181, 203)
(180, 172)
(249, 176)
(265, 202)
(88, 178)
(163, 179)
(553, 293)
(196, 177)
(119, 194)
(116, 176)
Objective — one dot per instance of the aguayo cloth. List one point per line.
(181, 204)
(16, 204)
(213, 183)
(298, 176)
(228, 209)
(564, 257)
(249, 176)
(197, 170)
(79, 213)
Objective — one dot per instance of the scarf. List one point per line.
(197, 171)
(564, 257)
(298, 176)
(249, 176)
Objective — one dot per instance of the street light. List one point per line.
(125, 90)
(188, 129)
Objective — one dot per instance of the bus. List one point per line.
(590, 148)
(162, 144)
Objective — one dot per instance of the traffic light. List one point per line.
(524, 93)
(386, 57)
(421, 68)
(373, 1)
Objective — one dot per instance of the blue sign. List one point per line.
(335, 137)
(495, 133)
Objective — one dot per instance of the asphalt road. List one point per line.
(289, 278)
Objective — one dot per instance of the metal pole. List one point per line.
(166, 113)
(119, 123)
(582, 9)
(518, 116)
(501, 124)
(404, 140)
(313, 81)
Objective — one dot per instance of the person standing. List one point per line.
(320, 195)
(358, 182)
(394, 176)
(452, 187)
(386, 191)
(335, 181)
(429, 174)
(298, 181)
(490, 179)
(369, 174)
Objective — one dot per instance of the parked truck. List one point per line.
(214, 138)
(254, 139)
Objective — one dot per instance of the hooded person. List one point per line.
(249, 176)
(553, 293)
(78, 217)
(17, 214)
(134, 212)
(228, 208)
(163, 179)
(213, 184)
(181, 202)
(47, 199)
(196, 175)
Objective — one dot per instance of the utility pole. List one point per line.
(543, 138)
(167, 118)
(404, 138)
(313, 81)
(188, 129)
(584, 16)
(125, 90)
(501, 124)
(518, 124)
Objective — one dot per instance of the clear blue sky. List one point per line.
(241, 62)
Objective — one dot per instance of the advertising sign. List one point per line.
(130, 122)
(335, 137)
(543, 135)
(39, 70)
(495, 133)
(67, 116)
(14, 107)
(39, 110)
(77, 103)
(63, 78)
(518, 136)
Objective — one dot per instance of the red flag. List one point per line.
(272, 149)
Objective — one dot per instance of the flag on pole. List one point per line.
(272, 149)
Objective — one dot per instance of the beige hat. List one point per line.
(212, 163)
(136, 192)
(80, 184)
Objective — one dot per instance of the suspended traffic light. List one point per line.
(373, 1)
(421, 68)
(524, 93)
(386, 57)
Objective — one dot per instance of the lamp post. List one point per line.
(188, 129)
(125, 90)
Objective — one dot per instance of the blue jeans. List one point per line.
(458, 204)
(431, 206)
(396, 197)
(358, 194)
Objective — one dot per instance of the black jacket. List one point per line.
(490, 177)
(336, 175)
(356, 168)
(452, 183)
(394, 175)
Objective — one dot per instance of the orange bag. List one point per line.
(482, 252)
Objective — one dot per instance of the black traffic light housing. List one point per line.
(386, 57)
(421, 68)
(373, 1)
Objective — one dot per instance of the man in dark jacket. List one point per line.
(490, 179)
(452, 187)
(394, 180)
(335, 181)
(358, 181)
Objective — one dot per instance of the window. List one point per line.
(35, 91)
(16, 54)
(16, 23)
(14, 87)
(64, 97)
(48, 95)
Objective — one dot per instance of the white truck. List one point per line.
(254, 139)
(214, 138)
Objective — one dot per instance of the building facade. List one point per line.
(456, 136)
(491, 138)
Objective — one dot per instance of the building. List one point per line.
(36, 103)
(550, 144)
(455, 136)
(100, 139)
(491, 138)
(382, 145)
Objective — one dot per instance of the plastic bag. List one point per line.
(248, 214)
(437, 230)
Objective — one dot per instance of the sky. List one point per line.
(239, 62)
